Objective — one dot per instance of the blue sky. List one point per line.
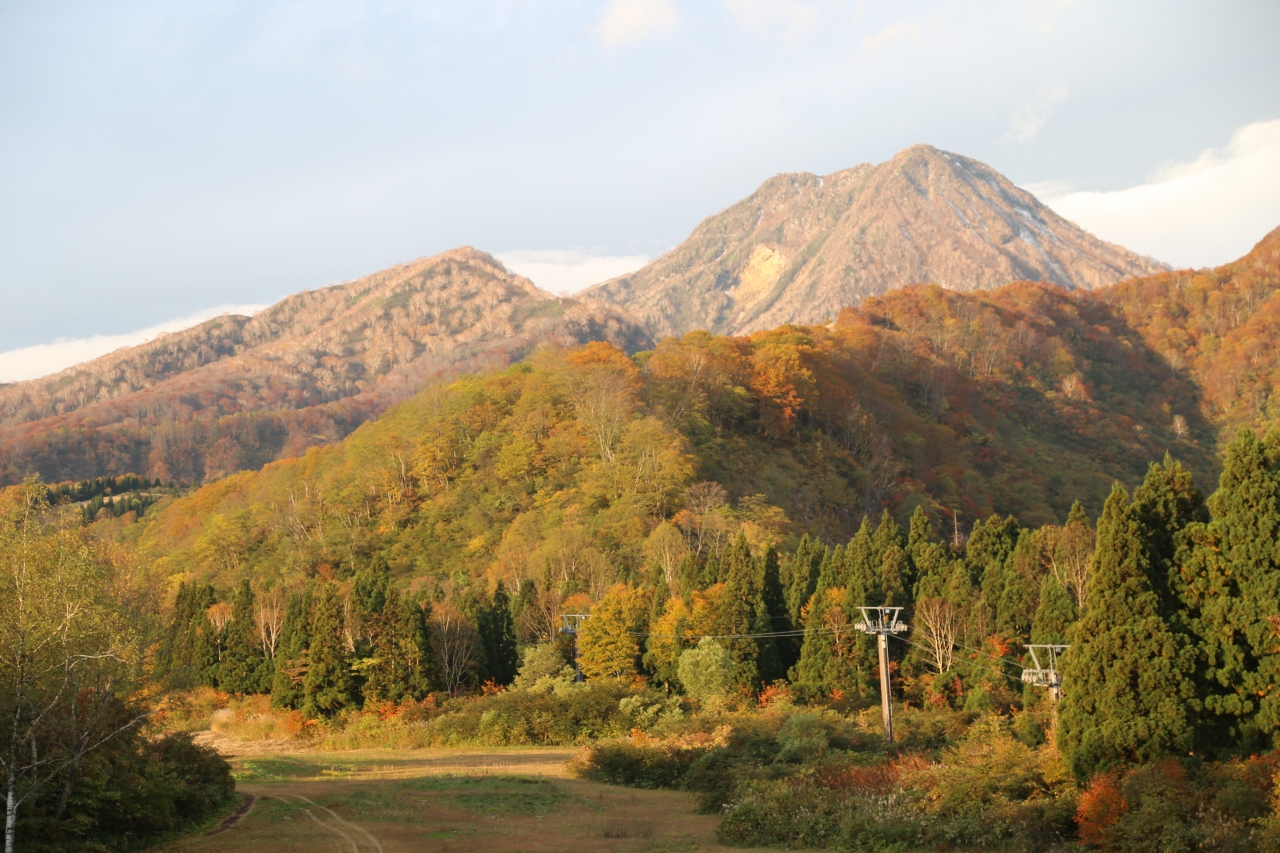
(161, 159)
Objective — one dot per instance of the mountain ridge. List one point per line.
(803, 246)
(309, 368)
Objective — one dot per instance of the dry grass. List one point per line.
(384, 801)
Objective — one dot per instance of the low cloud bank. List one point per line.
(1198, 214)
(566, 271)
(33, 362)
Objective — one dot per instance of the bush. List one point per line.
(647, 762)
(1181, 805)
(132, 794)
(784, 813)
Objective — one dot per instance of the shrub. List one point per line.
(647, 762)
(783, 813)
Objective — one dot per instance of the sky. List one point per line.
(162, 162)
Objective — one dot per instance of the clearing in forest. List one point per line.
(385, 801)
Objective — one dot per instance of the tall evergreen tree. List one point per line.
(244, 667)
(1055, 614)
(799, 573)
(1230, 584)
(498, 636)
(1128, 690)
(402, 665)
(1022, 583)
(774, 655)
(778, 620)
(1166, 502)
(192, 642)
(291, 652)
(329, 685)
(742, 612)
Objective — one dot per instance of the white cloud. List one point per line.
(1032, 116)
(886, 36)
(627, 21)
(33, 362)
(566, 271)
(1202, 213)
(789, 18)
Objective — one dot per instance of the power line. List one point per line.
(971, 663)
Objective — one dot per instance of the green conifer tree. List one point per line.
(244, 667)
(742, 612)
(291, 652)
(329, 685)
(402, 666)
(1055, 614)
(774, 655)
(1230, 586)
(799, 574)
(1166, 502)
(1023, 578)
(1128, 690)
(498, 637)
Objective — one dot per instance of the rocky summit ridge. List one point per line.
(803, 246)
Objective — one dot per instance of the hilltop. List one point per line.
(802, 247)
(236, 392)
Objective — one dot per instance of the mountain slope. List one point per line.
(578, 468)
(802, 247)
(236, 392)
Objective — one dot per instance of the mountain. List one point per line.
(586, 466)
(237, 392)
(802, 247)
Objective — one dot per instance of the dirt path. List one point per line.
(447, 801)
(236, 816)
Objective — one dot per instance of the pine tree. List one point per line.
(291, 653)
(742, 613)
(1230, 585)
(1166, 502)
(244, 668)
(329, 685)
(498, 636)
(774, 655)
(896, 573)
(1128, 692)
(1022, 584)
(402, 664)
(192, 642)
(1055, 614)
(799, 573)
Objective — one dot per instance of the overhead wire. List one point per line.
(824, 631)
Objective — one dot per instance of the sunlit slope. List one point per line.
(803, 246)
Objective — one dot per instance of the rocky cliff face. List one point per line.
(237, 392)
(802, 247)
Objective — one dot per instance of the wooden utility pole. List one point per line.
(883, 621)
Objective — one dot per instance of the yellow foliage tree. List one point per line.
(609, 641)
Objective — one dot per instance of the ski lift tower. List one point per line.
(572, 623)
(883, 621)
(1042, 675)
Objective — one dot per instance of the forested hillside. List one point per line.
(237, 392)
(1020, 401)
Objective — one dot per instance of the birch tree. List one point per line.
(64, 651)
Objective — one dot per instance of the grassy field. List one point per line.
(382, 801)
